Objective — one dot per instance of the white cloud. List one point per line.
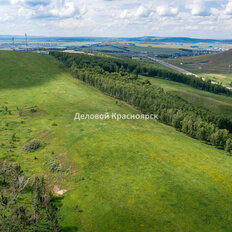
(66, 10)
(68, 23)
(167, 11)
(142, 12)
(198, 8)
(117, 17)
(124, 14)
(23, 12)
(31, 2)
(5, 18)
(191, 27)
(228, 9)
(47, 8)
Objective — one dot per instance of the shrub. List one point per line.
(32, 145)
(33, 110)
(20, 111)
(13, 137)
(54, 167)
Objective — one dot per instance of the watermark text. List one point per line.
(115, 116)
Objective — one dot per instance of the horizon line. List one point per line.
(113, 37)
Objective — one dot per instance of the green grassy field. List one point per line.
(128, 175)
(215, 102)
(217, 67)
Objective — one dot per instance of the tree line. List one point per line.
(130, 66)
(189, 118)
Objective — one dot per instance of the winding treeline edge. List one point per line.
(118, 64)
(120, 81)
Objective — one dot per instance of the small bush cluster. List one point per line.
(4, 110)
(33, 110)
(32, 145)
(20, 111)
(54, 167)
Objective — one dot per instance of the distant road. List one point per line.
(181, 70)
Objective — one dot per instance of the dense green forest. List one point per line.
(119, 78)
(130, 66)
(25, 204)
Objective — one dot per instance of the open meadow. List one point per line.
(126, 175)
(214, 102)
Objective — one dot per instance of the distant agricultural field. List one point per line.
(217, 67)
(131, 48)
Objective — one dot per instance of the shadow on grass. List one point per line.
(23, 70)
(58, 202)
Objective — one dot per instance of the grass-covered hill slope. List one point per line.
(128, 175)
(217, 67)
(214, 63)
(214, 102)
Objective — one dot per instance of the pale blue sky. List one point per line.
(117, 18)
